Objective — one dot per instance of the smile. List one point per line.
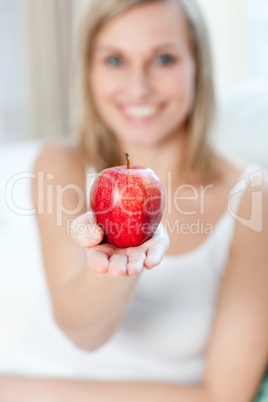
(140, 113)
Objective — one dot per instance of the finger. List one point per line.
(154, 256)
(87, 218)
(98, 261)
(161, 236)
(85, 231)
(117, 265)
(135, 263)
(158, 246)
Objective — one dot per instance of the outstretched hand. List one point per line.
(105, 258)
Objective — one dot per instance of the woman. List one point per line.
(195, 328)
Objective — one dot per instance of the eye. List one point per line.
(164, 60)
(114, 61)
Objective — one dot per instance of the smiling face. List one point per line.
(143, 74)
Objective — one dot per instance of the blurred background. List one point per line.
(37, 39)
(36, 58)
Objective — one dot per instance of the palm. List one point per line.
(105, 258)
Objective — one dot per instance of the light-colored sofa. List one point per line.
(242, 128)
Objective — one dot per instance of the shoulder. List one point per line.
(253, 185)
(251, 219)
(58, 156)
(60, 163)
(242, 178)
(244, 187)
(60, 170)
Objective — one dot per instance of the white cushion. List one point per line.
(242, 126)
(20, 257)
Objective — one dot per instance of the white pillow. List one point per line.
(20, 257)
(242, 126)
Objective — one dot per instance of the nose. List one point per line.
(138, 83)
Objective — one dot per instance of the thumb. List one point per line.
(85, 231)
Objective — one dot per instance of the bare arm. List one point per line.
(50, 390)
(90, 290)
(238, 349)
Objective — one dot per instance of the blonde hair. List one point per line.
(95, 141)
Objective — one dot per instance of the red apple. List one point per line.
(127, 202)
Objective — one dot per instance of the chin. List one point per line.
(142, 141)
(147, 138)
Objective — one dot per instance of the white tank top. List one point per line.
(164, 334)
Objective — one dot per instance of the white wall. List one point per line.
(239, 37)
(227, 21)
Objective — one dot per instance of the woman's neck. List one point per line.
(164, 159)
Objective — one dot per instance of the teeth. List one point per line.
(140, 111)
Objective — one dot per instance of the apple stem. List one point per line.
(127, 159)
